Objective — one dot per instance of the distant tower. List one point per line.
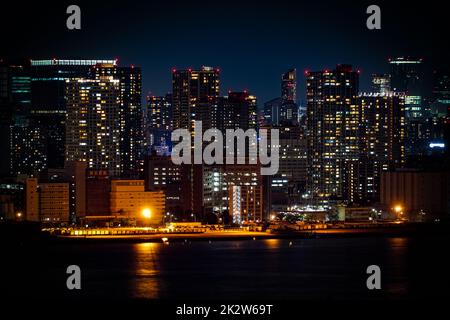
(289, 108)
(194, 92)
(407, 78)
(237, 111)
(284, 109)
(23, 154)
(289, 86)
(381, 83)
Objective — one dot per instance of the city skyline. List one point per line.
(218, 159)
(342, 128)
(263, 40)
(91, 110)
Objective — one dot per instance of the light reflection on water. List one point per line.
(319, 268)
(145, 283)
(276, 268)
(398, 242)
(396, 254)
(272, 243)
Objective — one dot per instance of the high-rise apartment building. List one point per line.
(382, 140)
(238, 110)
(195, 93)
(132, 135)
(104, 119)
(48, 101)
(131, 117)
(158, 124)
(289, 183)
(93, 128)
(333, 120)
(27, 148)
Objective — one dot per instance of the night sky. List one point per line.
(252, 42)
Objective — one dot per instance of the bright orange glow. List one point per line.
(398, 208)
(146, 213)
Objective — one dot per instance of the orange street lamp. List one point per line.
(146, 213)
(398, 209)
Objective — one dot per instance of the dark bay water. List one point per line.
(312, 269)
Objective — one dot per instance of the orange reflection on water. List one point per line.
(272, 243)
(145, 281)
(398, 242)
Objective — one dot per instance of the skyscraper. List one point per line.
(289, 86)
(48, 103)
(272, 112)
(333, 125)
(158, 127)
(236, 111)
(27, 148)
(105, 109)
(93, 128)
(289, 183)
(441, 104)
(441, 87)
(195, 94)
(131, 117)
(132, 136)
(382, 140)
(15, 101)
(284, 109)
(407, 77)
